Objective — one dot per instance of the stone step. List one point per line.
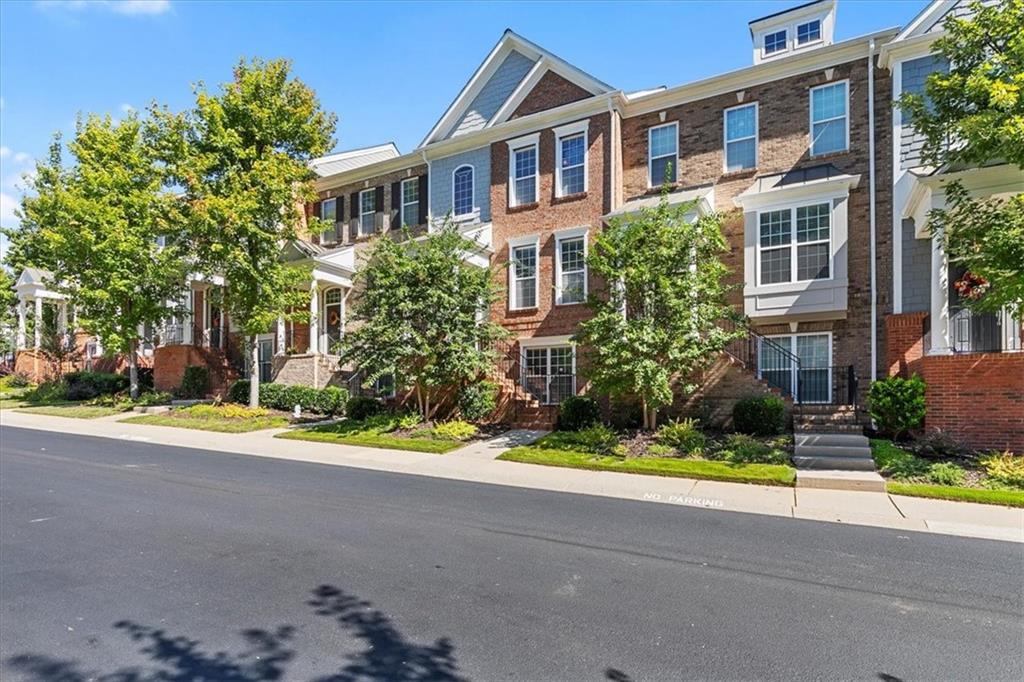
(825, 438)
(836, 463)
(826, 418)
(829, 428)
(833, 451)
(860, 481)
(804, 408)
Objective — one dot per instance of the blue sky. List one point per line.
(387, 69)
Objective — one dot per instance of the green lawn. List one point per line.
(904, 470)
(355, 433)
(764, 474)
(221, 424)
(75, 410)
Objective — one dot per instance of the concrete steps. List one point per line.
(858, 481)
(831, 450)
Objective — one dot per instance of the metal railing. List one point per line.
(974, 332)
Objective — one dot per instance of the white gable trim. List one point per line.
(923, 21)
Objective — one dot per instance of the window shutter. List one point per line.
(353, 209)
(423, 200)
(378, 207)
(313, 213)
(339, 218)
(396, 205)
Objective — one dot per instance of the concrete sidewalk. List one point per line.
(476, 463)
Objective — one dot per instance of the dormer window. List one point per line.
(774, 42)
(808, 33)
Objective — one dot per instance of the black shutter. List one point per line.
(353, 210)
(396, 206)
(424, 200)
(314, 213)
(378, 208)
(339, 218)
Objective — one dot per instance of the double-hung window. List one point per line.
(329, 214)
(571, 161)
(794, 244)
(774, 42)
(571, 267)
(741, 137)
(367, 211)
(663, 152)
(829, 119)
(524, 174)
(410, 202)
(523, 275)
(462, 190)
(809, 32)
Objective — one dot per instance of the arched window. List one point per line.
(333, 319)
(462, 190)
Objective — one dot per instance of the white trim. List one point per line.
(897, 220)
(472, 190)
(517, 145)
(545, 341)
(520, 92)
(794, 245)
(845, 82)
(569, 131)
(815, 191)
(513, 244)
(324, 324)
(930, 14)
(567, 235)
(650, 157)
(372, 191)
(402, 203)
(797, 45)
(726, 140)
(775, 30)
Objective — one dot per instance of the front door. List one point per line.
(549, 374)
(266, 360)
(214, 326)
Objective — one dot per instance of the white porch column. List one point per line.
(280, 335)
(22, 324)
(39, 323)
(222, 341)
(939, 299)
(314, 321)
(62, 318)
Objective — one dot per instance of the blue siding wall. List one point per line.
(914, 74)
(441, 182)
(494, 93)
(917, 264)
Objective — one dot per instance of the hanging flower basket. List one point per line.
(971, 287)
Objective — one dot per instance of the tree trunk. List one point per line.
(254, 374)
(133, 369)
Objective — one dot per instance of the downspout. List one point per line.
(871, 207)
(430, 186)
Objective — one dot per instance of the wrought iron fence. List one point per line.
(974, 332)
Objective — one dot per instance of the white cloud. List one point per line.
(22, 157)
(7, 206)
(134, 7)
(5, 152)
(127, 108)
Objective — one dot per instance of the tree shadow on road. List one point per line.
(266, 655)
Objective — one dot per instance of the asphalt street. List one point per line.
(127, 561)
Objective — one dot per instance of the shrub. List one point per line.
(659, 450)
(598, 439)
(740, 448)
(89, 385)
(478, 400)
(1004, 467)
(272, 396)
(360, 407)
(145, 375)
(578, 412)
(759, 415)
(230, 411)
(455, 430)
(409, 420)
(303, 396)
(49, 391)
(153, 398)
(684, 435)
(195, 382)
(896, 404)
(239, 392)
(16, 380)
(330, 400)
(946, 473)
(625, 414)
(938, 444)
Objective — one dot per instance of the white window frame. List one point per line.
(726, 140)
(794, 377)
(472, 190)
(362, 214)
(517, 145)
(513, 244)
(796, 33)
(651, 158)
(334, 223)
(794, 245)
(567, 131)
(568, 235)
(810, 118)
(547, 344)
(402, 218)
(771, 32)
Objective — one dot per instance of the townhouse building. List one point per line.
(802, 153)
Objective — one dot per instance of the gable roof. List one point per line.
(509, 44)
(352, 159)
(926, 19)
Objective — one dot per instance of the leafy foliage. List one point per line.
(417, 317)
(361, 407)
(8, 304)
(194, 382)
(329, 400)
(938, 444)
(478, 400)
(740, 448)
(597, 439)
(455, 430)
(946, 473)
(89, 385)
(578, 412)
(684, 435)
(656, 324)
(1004, 467)
(759, 415)
(241, 158)
(896, 404)
(973, 115)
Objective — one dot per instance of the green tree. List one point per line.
(242, 158)
(656, 323)
(8, 303)
(972, 115)
(419, 316)
(94, 225)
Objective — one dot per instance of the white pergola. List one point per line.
(33, 288)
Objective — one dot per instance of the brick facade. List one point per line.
(551, 91)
